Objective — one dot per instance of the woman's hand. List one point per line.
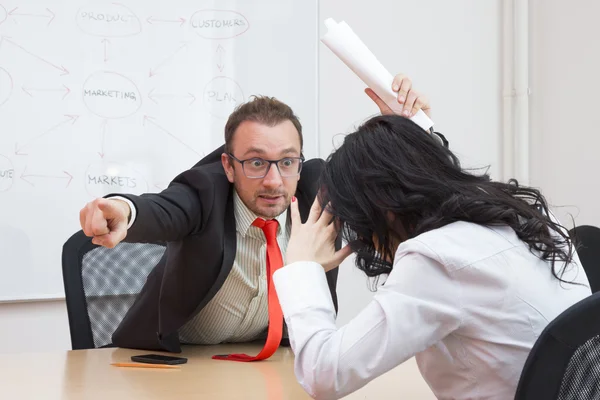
(413, 101)
(314, 240)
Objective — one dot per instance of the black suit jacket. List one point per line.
(194, 216)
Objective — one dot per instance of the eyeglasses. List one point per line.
(257, 168)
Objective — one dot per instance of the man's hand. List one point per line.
(105, 220)
(314, 240)
(411, 99)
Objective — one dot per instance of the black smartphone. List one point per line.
(159, 359)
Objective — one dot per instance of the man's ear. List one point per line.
(228, 167)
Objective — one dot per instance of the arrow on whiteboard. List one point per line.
(153, 96)
(103, 138)
(66, 175)
(49, 14)
(70, 119)
(64, 90)
(58, 67)
(152, 121)
(220, 58)
(180, 21)
(166, 60)
(105, 42)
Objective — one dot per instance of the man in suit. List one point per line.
(211, 285)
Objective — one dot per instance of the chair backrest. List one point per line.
(587, 238)
(564, 363)
(101, 284)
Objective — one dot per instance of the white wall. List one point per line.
(450, 49)
(564, 67)
(34, 327)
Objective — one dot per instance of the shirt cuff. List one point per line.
(302, 285)
(132, 210)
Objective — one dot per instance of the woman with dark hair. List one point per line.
(475, 269)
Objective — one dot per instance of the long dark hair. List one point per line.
(392, 180)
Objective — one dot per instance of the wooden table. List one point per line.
(87, 374)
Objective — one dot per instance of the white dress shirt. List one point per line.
(239, 311)
(468, 301)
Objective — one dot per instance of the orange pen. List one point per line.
(142, 365)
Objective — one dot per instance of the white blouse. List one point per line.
(468, 301)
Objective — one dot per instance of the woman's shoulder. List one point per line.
(461, 243)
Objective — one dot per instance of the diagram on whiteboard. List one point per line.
(99, 98)
(111, 94)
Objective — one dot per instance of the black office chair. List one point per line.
(101, 285)
(587, 238)
(564, 363)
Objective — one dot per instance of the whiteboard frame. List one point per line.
(32, 299)
(317, 82)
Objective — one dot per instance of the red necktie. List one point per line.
(274, 262)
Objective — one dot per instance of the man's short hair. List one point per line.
(264, 110)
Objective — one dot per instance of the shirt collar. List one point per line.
(244, 217)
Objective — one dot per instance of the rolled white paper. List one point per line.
(345, 44)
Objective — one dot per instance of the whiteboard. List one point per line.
(119, 97)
